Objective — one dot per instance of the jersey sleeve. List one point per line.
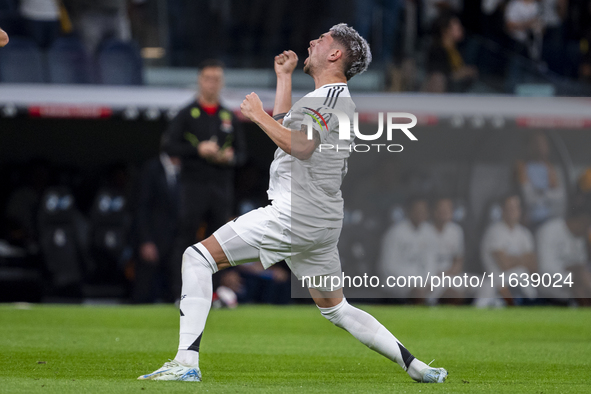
(304, 116)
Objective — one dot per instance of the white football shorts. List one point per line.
(266, 235)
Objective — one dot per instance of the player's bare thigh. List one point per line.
(326, 299)
(215, 249)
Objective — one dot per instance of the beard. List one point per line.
(308, 69)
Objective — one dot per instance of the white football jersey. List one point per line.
(309, 190)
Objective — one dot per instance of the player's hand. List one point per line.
(252, 106)
(149, 252)
(285, 63)
(208, 149)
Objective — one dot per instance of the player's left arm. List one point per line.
(285, 63)
(3, 38)
(292, 142)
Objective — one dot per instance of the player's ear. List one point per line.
(335, 54)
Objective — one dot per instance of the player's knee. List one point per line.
(188, 257)
(191, 255)
(336, 313)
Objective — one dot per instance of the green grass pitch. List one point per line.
(78, 349)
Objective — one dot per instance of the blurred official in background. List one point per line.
(157, 223)
(209, 141)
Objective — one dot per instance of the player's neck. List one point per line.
(327, 79)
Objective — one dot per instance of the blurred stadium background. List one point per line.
(87, 89)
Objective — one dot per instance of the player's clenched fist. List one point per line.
(286, 62)
(251, 106)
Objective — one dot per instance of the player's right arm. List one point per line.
(285, 63)
(3, 38)
(292, 142)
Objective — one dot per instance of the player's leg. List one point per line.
(198, 266)
(369, 331)
(226, 247)
(197, 289)
(200, 262)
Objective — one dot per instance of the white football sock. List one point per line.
(197, 269)
(373, 334)
(415, 368)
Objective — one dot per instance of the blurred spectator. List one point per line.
(110, 225)
(252, 283)
(507, 247)
(524, 24)
(562, 250)
(390, 11)
(446, 70)
(554, 13)
(262, 23)
(432, 9)
(492, 19)
(97, 20)
(410, 248)
(208, 139)
(583, 189)
(3, 38)
(9, 16)
(544, 196)
(157, 225)
(59, 237)
(585, 66)
(450, 245)
(143, 19)
(585, 42)
(42, 20)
